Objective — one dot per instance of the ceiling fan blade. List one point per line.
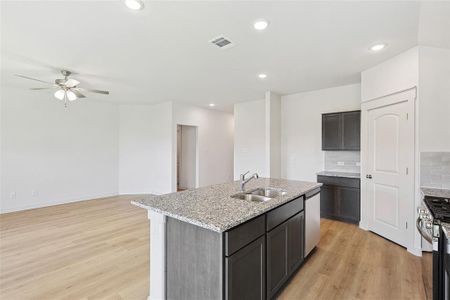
(41, 88)
(97, 91)
(30, 78)
(70, 83)
(78, 93)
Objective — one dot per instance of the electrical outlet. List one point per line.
(12, 195)
(34, 193)
(340, 163)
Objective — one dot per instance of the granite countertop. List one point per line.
(435, 192)
(212, 207)
(339, 174)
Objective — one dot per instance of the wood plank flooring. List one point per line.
(98, 249)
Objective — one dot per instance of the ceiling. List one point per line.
(162, 53)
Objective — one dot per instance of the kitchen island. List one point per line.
(205, 244)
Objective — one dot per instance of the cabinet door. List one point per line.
(328, 205)
(331, 132)
(349, 204)
(351, 130)
(296, 241)
(277, 269)
(245, 272)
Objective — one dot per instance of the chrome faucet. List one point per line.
(244, 181)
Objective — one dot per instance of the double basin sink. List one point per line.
(260, 194)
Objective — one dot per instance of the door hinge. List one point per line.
(407, 171)
(407, 116)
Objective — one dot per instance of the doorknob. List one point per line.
(369, 176)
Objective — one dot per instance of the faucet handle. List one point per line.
(243, 175)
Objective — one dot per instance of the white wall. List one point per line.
(51, 154)
(396, 74)
(434, 99)
(301, 128)
(273, 134)
(250, 138)
(187, 155)
(215, 132)
(145, 149)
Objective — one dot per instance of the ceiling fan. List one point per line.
(67, 88)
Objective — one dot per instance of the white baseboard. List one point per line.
(47, 204)
(415, 251)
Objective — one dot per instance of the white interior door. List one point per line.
(390, 162)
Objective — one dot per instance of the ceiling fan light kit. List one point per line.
(68, 89)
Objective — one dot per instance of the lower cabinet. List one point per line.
(246, 271)
(340, 198)
(261, 254)
(285, 252)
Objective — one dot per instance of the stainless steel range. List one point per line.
(433, 224)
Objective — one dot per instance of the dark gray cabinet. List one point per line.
(331, 131)
(351, 130)
(246, 272)
(296, 242)
(341, 131)
(285, 252)
(251, 261)
(340, 198)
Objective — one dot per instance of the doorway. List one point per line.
(187, 158)
(388, 176)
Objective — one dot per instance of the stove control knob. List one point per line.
(428, 225)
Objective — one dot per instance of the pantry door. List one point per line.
(389, 175)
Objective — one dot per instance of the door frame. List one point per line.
(410, 95)
(197, 163)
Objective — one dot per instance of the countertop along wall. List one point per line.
(301, 128)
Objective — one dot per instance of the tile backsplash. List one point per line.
(435, 169)
(343, 161)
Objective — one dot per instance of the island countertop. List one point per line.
(213, 208)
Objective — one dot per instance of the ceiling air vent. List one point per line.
(222, 42)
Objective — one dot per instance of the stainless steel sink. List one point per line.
(268, 192)
(251, 197)
(260, 194)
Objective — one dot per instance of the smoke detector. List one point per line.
(222, 42)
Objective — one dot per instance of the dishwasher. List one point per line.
(312, 220)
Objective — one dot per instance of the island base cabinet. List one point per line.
(246, 271)
(285, 252)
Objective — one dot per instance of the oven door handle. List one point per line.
(425, 235)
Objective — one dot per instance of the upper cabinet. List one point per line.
(341, 131)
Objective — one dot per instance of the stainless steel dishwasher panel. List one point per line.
(312, 223)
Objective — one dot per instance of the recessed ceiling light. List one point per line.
(260, 24)
(134, 4)
(377, 47)
(211, 105)
(262, 76)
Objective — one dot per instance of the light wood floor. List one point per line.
(99, 250)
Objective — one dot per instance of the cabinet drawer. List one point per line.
(242, 235)
(280, 214)
(339, 181)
